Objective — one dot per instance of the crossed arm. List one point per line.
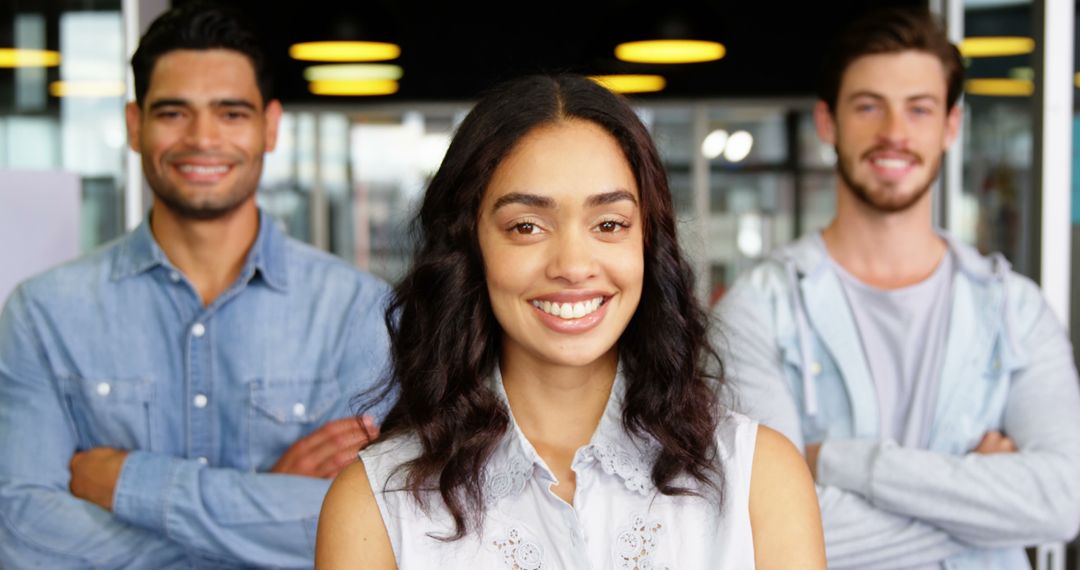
(885, 506)
(55, 503)
(321, 454)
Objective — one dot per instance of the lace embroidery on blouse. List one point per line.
(518, 553)
(633, 468)
(509, 480)
(635, 545)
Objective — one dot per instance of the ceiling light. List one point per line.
(713, 145)
(14, 57)
(738, 146)
(996, 46)
(670, 51)
(631, 83)
(361, 87)
(353, 71)
(344, 51)
(999, 87)
(87, 88)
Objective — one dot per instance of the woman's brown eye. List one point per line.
(609, 226)
(525, 228)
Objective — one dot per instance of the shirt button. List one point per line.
(174, 277)
(298, 410)
(103, 389)
(202, 460)
(200, 400)
(815, 368)
(198, 329)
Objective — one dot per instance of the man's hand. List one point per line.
(995, 442)
(812, 450)
(94, 473)
(326, 451)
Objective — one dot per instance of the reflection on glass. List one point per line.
(393, 159)
(998, 178)
(996, 208)
(83, 134)
(92, 127)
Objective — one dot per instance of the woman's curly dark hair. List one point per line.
(445, 339)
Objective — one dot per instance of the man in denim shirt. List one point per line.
(179, 398)
(931, 388)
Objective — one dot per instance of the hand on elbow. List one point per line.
(94, 474)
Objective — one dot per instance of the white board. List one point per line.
(39, 223)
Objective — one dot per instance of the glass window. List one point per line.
(70, 115)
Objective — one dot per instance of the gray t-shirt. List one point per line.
(903, 335)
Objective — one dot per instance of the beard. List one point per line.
(204, 210)
(884, 199)
(200, 207)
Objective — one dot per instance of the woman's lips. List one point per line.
(571, 316)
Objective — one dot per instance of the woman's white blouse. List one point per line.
(618, 519)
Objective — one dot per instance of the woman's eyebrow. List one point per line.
(537, 201)
(534, 200)
(610, 197)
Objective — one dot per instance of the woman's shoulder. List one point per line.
(756, 449)
(783, 506)
(351, 517)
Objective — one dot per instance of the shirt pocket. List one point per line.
(285, 410)
(110, 411)
(833, 418)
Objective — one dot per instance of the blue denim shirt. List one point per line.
(116, 349)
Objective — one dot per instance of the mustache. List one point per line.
(914, 157)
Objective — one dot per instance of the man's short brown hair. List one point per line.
(891, 31)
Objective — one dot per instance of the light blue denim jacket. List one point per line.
(796, 362)
(116, 349)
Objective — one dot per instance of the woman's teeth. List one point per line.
(569, 310)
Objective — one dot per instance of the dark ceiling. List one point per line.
(452, 50)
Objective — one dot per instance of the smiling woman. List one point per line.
(543, 341)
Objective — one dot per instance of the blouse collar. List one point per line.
(611, 449)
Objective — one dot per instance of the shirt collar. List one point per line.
(140, 252)
(268, 255)
(611, 449)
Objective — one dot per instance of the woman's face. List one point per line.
(560, 233)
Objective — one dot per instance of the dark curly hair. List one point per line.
(445, 339)
(199, 25)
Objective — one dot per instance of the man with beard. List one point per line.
(179, 397)
(932, 390)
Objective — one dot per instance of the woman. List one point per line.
(550, 360)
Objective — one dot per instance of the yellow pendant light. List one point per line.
(17, 57)
(670, 51)
(344, 51)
